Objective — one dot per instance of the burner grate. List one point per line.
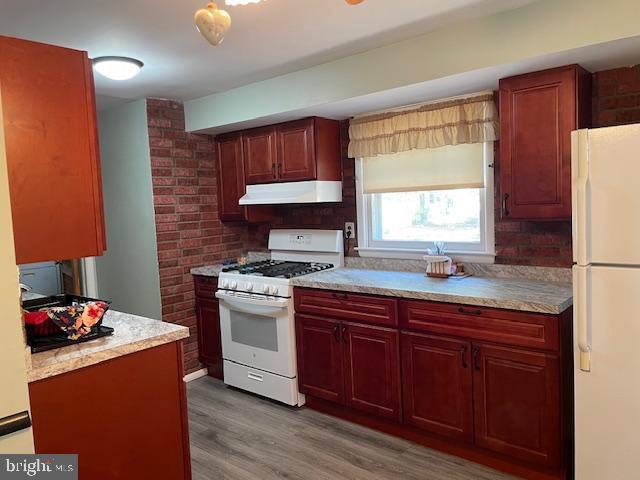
(278, 268)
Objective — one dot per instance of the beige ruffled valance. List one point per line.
(467, 120)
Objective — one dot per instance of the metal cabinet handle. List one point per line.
(336, 335)
(469, 312)
(273, 170)
(476, 352)
(339, 296)
(344, 334)
(279, 170)
(14, 423)
(463, 353)
(505, 207)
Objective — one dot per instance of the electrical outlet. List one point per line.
(349, 230)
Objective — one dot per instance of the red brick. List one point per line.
(187, 208)
(162, 162)
(164, 209)
(161, 142)
(193, 190)
(159, 122)
(157, 180)
(189, 217)
(164, 200)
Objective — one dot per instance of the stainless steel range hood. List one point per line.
(316, 191)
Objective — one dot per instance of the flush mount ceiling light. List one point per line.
(117, 68)
(213, 23)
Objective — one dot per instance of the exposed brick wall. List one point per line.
(188, 231)
(616, 96)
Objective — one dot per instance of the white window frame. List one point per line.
(485, 253)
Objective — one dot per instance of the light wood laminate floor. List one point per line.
(238, 436)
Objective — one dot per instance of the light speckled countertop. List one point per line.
(208, 270)
(507, 293)
(131, 334)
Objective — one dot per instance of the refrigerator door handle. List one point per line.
(582, 284)
(14, 423)
(580, 196)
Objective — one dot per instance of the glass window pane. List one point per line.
(442, 215)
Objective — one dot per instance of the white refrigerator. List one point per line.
(606, 284)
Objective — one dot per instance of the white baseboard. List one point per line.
(195, 375)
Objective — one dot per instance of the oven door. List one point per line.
(258, 332)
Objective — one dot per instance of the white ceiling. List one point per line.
(268, 39)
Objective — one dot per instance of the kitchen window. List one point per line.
(409, 200)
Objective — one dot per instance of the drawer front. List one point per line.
(479, 323)
(349, 306)
(206, 286)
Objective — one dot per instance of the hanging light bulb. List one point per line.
(354, 2)
(212, 23)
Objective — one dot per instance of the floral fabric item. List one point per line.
(78, 319)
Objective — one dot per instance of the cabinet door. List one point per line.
(260, 155)
(538, 111)
(230, 178)
(209, 339)
(372, 369)
(296, 151)
(319, 358)
(517, 403)
(52, 151)
(437, 385)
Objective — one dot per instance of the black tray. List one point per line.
(42, 344)
(57, 340)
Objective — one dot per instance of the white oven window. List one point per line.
(257, 331)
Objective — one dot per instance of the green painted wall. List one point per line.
(537, 29)
(128, 272)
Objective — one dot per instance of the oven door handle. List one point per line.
(251, 305)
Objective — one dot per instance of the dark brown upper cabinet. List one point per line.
(231, 185)
(538, 112)
(306, 149)
(260, 155)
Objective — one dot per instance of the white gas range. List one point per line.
(257, 314)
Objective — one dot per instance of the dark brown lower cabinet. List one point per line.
(351, 364)
(208, 323)
(372, 369)
(437, 385)
(319, 358)
(517, 403)
(490, 385)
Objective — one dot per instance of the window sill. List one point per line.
(408, 254)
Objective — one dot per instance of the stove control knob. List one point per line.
(233, 285)
(248, 286)
(274, 290)
(225, 284)
(266, 289)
